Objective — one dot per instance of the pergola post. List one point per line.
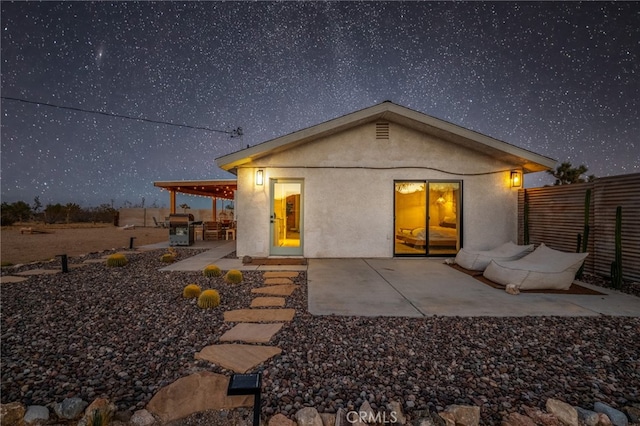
(214, 208)
(172, 201)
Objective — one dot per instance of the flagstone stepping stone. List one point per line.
(280, 274)
(251, 333)
(237, 357)
(276, 290)
(39, 272)
(195, 393)
(12, 279)
(259, 315)
(277, 281)
(263, 302)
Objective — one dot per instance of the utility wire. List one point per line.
(233, 133)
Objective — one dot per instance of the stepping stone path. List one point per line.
(276, 290)
(251, 333)
(272, 281)
(265, 302)
(280, 274)
(236, 357)
(197, 392)
(257, 324)
(259, 315)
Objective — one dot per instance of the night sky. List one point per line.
(559, 79)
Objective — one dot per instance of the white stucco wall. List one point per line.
(349, 192)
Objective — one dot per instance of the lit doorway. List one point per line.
(286, 217)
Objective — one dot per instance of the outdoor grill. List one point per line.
(181, 230)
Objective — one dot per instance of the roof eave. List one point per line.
(529, 161)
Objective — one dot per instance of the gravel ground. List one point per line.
(126, 332)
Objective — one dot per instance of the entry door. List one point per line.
(286, 217)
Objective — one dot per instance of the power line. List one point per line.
(233, 133)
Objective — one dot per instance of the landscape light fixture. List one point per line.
(247, 384)
(516, 179)
(260, 177)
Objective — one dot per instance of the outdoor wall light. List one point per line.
(260, 177)
(516, 179)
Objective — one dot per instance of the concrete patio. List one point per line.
(416, 287)
(426, 287)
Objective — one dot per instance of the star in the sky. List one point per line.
(561, 79)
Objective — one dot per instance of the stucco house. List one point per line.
(380, 182)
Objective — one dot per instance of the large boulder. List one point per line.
(462, 415)
(70, 408)
(617, 417)
(308, 416)
(142, 418)
(12, 414)
(517, 419)
(36, 415)
(563, 411)
(99, 412)
(281, 420)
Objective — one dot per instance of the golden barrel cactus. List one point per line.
(208, 299)
(233, 276)
(117, 259)
(191, 291)
(211, 271)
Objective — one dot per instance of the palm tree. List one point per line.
(565, 174)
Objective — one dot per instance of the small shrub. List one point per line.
(167, 258)
(117, 259)
(191, 291)
(233, 276)
(211, 271)
(97, 419)
(208, 299)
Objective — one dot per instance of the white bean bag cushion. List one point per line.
(478, 260)
(543, 269)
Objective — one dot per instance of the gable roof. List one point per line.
(388, 111)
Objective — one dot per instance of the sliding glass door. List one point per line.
(411, 218)
(427, 217)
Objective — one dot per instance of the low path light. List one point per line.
(247, 384)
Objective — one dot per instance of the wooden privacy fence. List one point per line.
(556, 217)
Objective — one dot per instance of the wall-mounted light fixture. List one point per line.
(260, 177)
(516, 179)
